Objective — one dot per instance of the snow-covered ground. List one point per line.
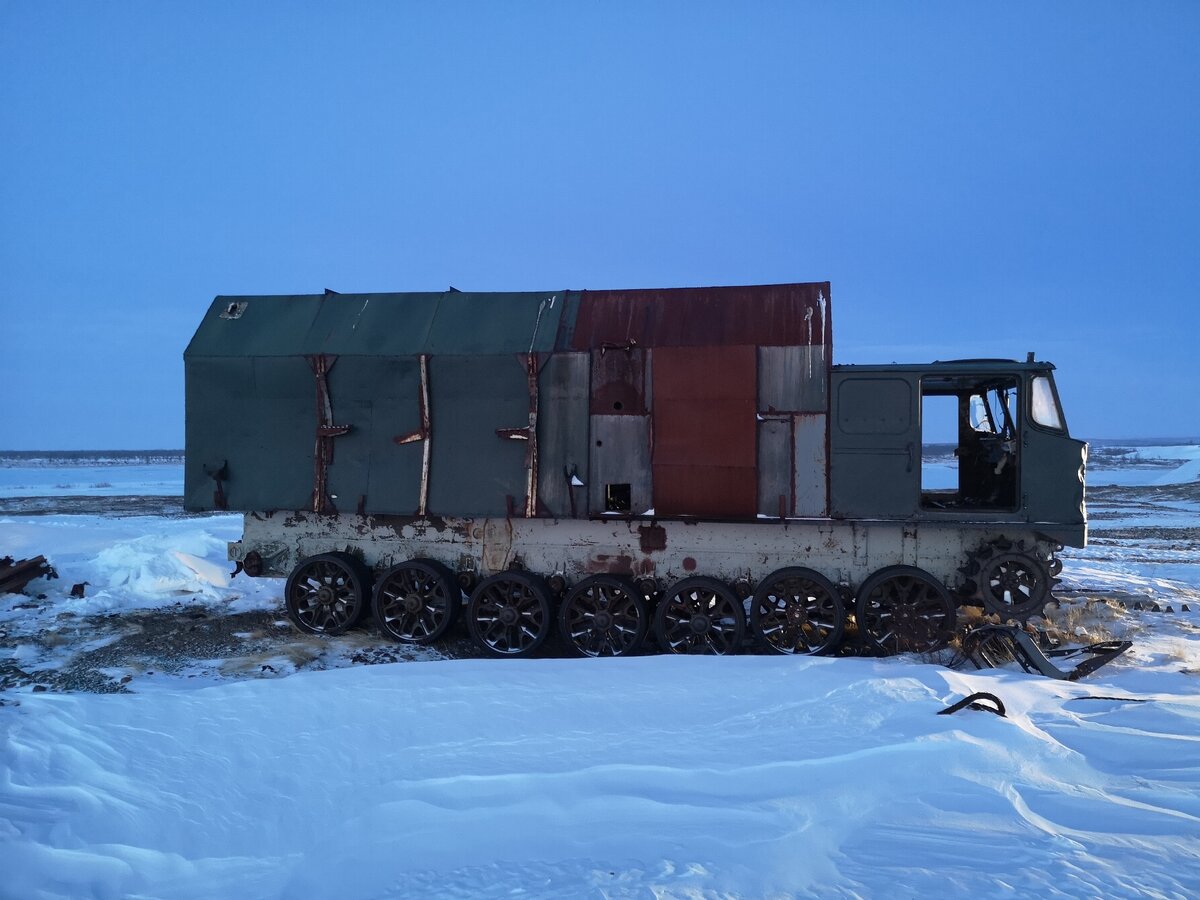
(752, 776)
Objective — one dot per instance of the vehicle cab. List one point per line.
(965, 440)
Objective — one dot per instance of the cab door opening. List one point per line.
(978, 469)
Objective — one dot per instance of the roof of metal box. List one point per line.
(755, 315)
(462, 323)
(452, 323)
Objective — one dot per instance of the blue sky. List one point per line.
(975, 179)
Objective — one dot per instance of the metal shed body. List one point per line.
(561, 404)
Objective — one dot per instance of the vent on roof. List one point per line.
(234, 310)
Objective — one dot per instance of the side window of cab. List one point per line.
(1043, 404)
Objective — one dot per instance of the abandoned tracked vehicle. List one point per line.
(609, 463)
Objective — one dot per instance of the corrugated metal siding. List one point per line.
(770, 315)
(710, 492)
(251, 398)
(620, 454)
(563, 434)
(793, 379)
(811, 464)
(705, 431)
(619, 383)
(775, 452)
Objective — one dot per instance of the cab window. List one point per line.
(1043, 406)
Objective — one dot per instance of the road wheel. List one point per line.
(509, 614)
(797, 610)
(700, 615)
(903, 609)
(604, 615)
(327, 593)
(416, 601)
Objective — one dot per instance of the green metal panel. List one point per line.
(876, 444)
(379, 398)
(257, 416)
(495, 323)
(473, 470)
(261, 326)
(372, 324)
(1052, 477)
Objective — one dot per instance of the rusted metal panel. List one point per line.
(775, 458)
(793, 379)
(15, 574)
(563, 436)
(712, 373)
(696, 432)
(474, 471)
(811, 464)
(619, 382)
(768, 315)
(620, 455)
(717, 492)
(705, 432)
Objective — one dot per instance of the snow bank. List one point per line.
(659, 776)
(1157, 465)
(138, 562)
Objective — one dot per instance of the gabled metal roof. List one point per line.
(451, 323)
(462, 323)
(754, 315)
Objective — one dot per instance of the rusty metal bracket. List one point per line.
(322, 502)
(528, 433)
(219, 476)
(628, 346)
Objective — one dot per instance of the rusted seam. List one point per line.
(427, 428)
(531, 454)
(326, 431)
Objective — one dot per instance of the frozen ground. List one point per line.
(169, 735)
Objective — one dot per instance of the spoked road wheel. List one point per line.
(700, 615)
(903, 609)
(604, 615)
(327, 593)
(509, 614)
(1014, 585)
(416, 601)
(797, 610)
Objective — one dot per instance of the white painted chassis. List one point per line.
(845, 551)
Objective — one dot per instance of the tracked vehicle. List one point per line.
(610, 465)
